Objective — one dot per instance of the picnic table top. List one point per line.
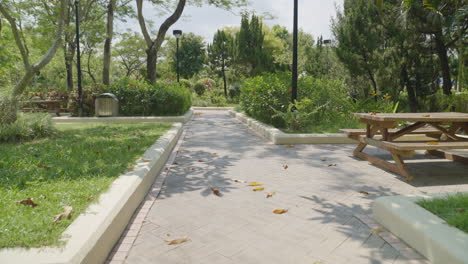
(415, 117)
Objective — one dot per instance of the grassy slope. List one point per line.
(453, 209)
(84, 159)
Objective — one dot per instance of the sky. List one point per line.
(314, 17)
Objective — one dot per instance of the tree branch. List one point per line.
(16, 34)
(168, 23)
(141, 21)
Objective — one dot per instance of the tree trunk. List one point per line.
(444, 63)
(152, 59)
(69, 55)
(413, 100)
(374, 83)
(108, 43)
(224, 79)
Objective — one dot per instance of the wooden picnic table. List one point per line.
(443, 127)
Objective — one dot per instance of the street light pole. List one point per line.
(178, 35)
(78, 59)
(294, 65)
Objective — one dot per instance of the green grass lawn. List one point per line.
(72, 168)
(453, 209)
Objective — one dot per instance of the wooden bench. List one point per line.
(428, 132)
(47, 106)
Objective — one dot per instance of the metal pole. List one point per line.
(177, 54)
(294, 65)
(78, 59)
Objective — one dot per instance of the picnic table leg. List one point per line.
(403, 169)
(449, 156)
(359, 148)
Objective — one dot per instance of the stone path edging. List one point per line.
(93, 234)
(422, 230)
(280, 138)
(128, 119)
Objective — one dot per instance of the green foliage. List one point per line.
(82, 162)
(442, 103)
(89, 97)
(185, 83)
(8, 108)
(142, 99)
(321, 103)
(250, 52)
(210, 98)
(449, 208)
(220, 54)
(27, 127)
(192, 55)
(199, 88)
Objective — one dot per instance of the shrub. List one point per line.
(28, 126)
(8, 110)
(185, 83)
(142, 99)
(199, 88)
(234, 90)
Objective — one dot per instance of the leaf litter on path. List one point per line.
(270, 194)
(216, 192)
(258, 189)
(280, 211)
(177, 241)
(255, 184)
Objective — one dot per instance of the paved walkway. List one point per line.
(328, 219)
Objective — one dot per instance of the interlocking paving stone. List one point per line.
(328, 221)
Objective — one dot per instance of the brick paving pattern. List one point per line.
(328, 222)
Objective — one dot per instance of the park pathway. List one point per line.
(328, 218)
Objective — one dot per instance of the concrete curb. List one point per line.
(211, 108)
(280, 138)
(428, 234)
(93, 234)
(127, 119)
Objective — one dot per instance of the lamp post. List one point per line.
(177, 34)
(294, 65)
(78, 59)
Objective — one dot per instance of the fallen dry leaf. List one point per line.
(426, 115)
(177, 241)
(280, 211)
(29, 202)
(65, 214)
(216, 192)
(285, 166)
(410, 178)
(373, 113)
(377, 230)
(289, 146)
(239, 181)
(364, 192)
(432, 143)
(323, 159)
(258, 189)
(89, 198)
(270, 194)
(146, 160)
(200, 160)
(460, 210)
(255, 184)
(43, 166)
(332, 165)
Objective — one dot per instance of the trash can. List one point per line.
(106, 104)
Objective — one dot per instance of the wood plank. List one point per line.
(383, 145)
(448, 156)
(382, 163)
(384, 124)
(406, 130)
(415, 145)
(358, 131)
(415, 117)
(449, 133)
(402, 167)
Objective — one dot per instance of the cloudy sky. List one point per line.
(314, 17)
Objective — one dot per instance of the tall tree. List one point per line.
(31, 69)
(108, 42)
(154, 45)
(192, 55)
(220, 55)
(359, 37)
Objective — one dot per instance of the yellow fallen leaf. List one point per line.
(177, 241)
(255, 184)
(270, 194)
(410, 178)
(377, 230)
(258, 189)
(280, 211)
(65, 214)
(432, 143)
(426, 115)
(323, 159)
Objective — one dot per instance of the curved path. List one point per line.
(328, 219)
